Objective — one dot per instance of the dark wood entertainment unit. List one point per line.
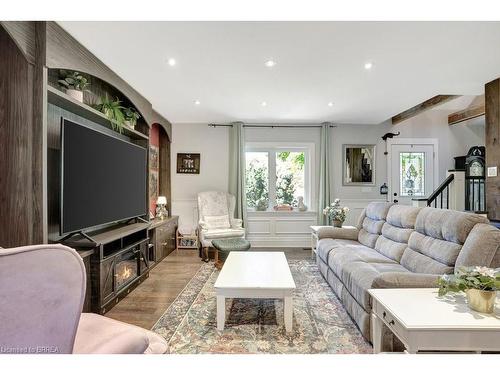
(32, 105)
(122, 259)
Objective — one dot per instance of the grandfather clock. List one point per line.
(475, 194)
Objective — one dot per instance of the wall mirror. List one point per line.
(358, 165)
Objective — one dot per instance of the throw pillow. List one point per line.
(217, 222)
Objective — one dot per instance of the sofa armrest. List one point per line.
(344, 233)
(236, 223)
(405, 280)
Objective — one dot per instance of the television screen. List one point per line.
(103, 178)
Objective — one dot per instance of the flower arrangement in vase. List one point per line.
(480, 285)
(335, 213)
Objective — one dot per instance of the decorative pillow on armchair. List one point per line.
(217, 222)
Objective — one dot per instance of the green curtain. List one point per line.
(325, 188)
(237, 169)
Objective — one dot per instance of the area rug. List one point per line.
(320, 323)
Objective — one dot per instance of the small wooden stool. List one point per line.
(225, 246)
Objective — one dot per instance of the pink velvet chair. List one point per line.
(42, 289)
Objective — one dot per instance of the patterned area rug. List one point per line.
(320, 323)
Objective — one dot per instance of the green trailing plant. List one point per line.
(482, 278)
(131, 115)
(73, 80)
(113, 110)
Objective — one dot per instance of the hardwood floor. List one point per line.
(146, 303)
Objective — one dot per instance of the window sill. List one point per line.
(280, 213)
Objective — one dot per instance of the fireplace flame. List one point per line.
(127, 272)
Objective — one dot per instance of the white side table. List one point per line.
(424, 321)
(314, 239)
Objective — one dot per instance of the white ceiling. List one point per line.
(221, 64)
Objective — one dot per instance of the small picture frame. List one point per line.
(188, 163)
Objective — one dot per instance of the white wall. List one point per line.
(213, 145)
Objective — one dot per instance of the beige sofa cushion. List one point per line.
(371, 227)
(354, 253)
(358, 277)
(449, 225)
(434, 247)
(396, 231)
(482, 247)
(326, 245)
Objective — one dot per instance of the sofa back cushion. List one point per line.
(437, 240)
(396, 231)
(481, 248)
(372, 222)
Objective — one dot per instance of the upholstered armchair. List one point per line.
(216, 218)
(42, 289)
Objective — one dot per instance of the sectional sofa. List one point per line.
(395, 246)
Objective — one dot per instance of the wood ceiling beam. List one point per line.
(476, 109)
(424, 106)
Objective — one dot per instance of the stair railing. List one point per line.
(442, 194)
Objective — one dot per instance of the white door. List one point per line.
(412, 172)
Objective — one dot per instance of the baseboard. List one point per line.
(289, 241)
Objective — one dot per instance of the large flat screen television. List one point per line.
(103, 178)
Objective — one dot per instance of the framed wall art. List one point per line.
(188, 163)
(358, 165)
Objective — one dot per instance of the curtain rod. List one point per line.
(299, 126)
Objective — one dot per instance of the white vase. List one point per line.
(75, 94)
(129, 124)
(300, 205)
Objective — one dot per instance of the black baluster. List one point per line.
(473, 194)
(447, 196)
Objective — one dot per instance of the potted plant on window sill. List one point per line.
(480, 284)
(74, 83)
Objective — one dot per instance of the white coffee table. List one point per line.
(422, 321)
(255, 274)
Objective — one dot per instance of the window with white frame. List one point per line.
(278, 174)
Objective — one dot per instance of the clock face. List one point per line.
(476, 169)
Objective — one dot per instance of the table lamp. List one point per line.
(161, 207)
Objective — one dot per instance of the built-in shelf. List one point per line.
(62, 100)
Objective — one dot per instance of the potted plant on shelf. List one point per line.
(335, 213)
(480, 285)
(131, 116)
(74, 83)
(113, 110)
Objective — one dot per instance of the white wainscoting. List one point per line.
(280, 229)
(273, 229)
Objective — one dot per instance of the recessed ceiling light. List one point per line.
(270, 63)
(330, 104)
(263, 104)
(171, 62)
(197, 102)
(368, 65)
